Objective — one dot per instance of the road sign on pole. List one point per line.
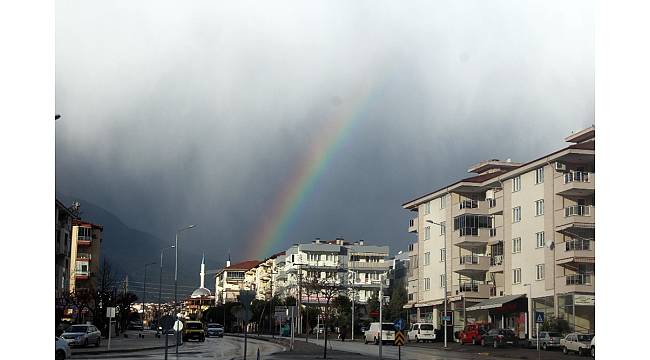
(399, 324)
(539, 317)
(399, 338)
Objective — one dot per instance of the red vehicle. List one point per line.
(472, 334)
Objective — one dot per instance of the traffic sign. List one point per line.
(399, 324)
(399, 338)
(110, 312)
(539, 317)
(448, 318)
(178, 325)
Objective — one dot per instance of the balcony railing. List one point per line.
(84, 256)
(578, 279)
(577, 210)
(469, 259)
(468, 204)
(577, 176)
(84, 237)
(493, 232)
(468, 287)
(491, 202)
(577, 244)
(468, 231)
(496, 260)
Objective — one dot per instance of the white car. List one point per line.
(576, 342)
(82, 335)
(62, 349)
(421, 332)
(373, 335)
(547, 340)
(593, 347)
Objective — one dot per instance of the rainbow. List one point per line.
(301, 184)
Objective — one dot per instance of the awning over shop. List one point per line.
(429, 303)
(407, 306)
(494, 302)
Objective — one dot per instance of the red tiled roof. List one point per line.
(86, 223)
(244, 265)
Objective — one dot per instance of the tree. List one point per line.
(325, 289)
(397, 300)
(123, 311)
(373, 302)
(343, 309)
(556, 325)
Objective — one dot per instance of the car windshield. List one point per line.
(77, 329)
(194, 326)
(585, 337)
(426, 327)
(389, 327)
(554, 334)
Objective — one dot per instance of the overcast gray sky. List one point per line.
(199, 112)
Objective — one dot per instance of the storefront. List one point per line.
(578, 310)
(509, 312)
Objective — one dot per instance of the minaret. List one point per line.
(203, 271)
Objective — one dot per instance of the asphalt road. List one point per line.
(213, 348)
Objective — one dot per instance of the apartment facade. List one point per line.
(355, 265)
(519, 238)
(85, 251)
(231, 279)
(63, 234)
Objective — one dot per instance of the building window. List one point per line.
(427, 258)
(516, 214)
(539, 207)
(443, 228)
(516, 184)
(539, 274)
(442, 255)
(539, 175)
(427, 283)
(541, 241)
(443, 201)
(516, 276)
(442, 280)
(516, 245)
(427, 233)
(427, 208)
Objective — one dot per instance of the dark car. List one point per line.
(499, 337)
(214, 329)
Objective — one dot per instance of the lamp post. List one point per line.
(445, 283)
(144, 289)
(176, 280)
(160, 286)
(530, 308)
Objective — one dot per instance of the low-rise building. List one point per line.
(85, 251)
(231, 279)
(62, 245)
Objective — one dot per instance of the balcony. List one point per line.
(473, 290)
(575, 183)
(413, 225)
(363, 265)
(473, 266)
(495, 234)
(84, 240)
(82, 275)
(496, 263)
(469, 206)
(471, 238)
(575, 251)
(578, 283)
(495, 205)
(576, 218)
(84, 257)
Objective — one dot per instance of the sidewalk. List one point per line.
(302, 349)
(132, 343)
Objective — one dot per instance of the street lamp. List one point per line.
(530, 306)
(176, 280)
(144, 289)
(160, 285)
(445, 265)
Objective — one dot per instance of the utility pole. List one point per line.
(381, 313)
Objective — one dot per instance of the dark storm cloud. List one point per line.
(178, 113)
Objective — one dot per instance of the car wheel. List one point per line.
(579, 351)
(483, 342)
(376, 341)
(416, 339)
(565, 351)
(544, 347)
(60, 355)
(593, 351)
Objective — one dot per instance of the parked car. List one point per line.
(387, 333)
(319, 329)
(135, 325)
(193, 330)
(62, 349)
(576, 342)
(547, 340)
(593, 347)
(499, 337)
(82, 335)
(421, 332)
(214, 329)
(472, 333)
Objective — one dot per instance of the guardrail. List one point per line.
(577, 244)
(576, 176)
(578, 279)
(577, 210)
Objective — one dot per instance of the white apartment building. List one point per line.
(231, 279)
(261, 277)
(355, 265)
(519, 238)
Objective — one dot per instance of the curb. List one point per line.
(117, 351)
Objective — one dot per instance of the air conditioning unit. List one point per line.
(560, 166)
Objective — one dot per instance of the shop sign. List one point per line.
(584, 300)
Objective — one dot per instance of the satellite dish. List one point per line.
(550, 245)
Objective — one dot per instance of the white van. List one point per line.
(387, 333)
(421, 332)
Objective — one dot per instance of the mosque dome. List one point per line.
(201, 292)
